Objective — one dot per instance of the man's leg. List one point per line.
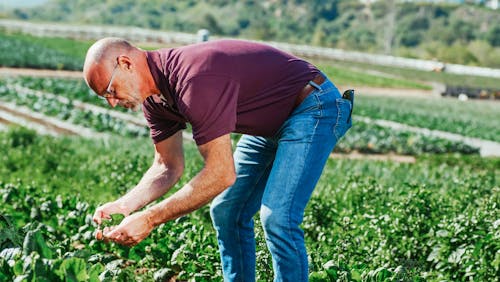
(233, 210)
(305, 142)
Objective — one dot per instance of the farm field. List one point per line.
(434, 219)
(475, 118)
(431, 220)
(365, 137)
(22, 50)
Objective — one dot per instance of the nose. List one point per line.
(112, 101)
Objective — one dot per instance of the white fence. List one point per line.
(146, 35)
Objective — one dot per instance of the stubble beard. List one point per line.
(134, 103)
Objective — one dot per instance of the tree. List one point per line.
(493, 36)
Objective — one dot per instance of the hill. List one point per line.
(463, 34)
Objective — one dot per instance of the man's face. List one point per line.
(123, 89)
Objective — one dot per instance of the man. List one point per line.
(291, 116)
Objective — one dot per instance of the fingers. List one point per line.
(98, 215)
(98, 235)
(119, 236)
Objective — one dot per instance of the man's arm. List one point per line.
(166, 170)
(217, 175)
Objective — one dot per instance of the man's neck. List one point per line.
(148, 77)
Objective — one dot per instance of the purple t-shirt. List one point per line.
(223, 86)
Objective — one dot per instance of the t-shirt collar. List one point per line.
(155, 65)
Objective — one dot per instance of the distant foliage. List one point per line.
(376, 27)
(18, 52)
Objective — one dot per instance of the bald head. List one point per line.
(118, 71)
(102, 57)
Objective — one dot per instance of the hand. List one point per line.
(105, 211)
(132, 230)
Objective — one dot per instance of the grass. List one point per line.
(419, 76)
(346, 76)
(23, 50)
(72, 47)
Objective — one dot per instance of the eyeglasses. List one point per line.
(110, 93)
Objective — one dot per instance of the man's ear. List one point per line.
(125, 62)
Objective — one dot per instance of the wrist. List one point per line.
(151, 217)
(123, 207)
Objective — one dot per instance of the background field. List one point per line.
(391, 205)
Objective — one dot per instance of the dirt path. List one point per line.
(392, 92)
(40, 73)
(11, 113)
(374, 157)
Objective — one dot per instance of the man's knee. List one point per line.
(273, 222)
(219, 212)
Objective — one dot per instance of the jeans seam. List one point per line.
(238, 220)
(240, 251)
(339, 110)
(320, 107)
(293, 199)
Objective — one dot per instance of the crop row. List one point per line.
(433, 220)
(472, 118)
(19, 51)
(74, 89)
(99, 121)
(364, 137)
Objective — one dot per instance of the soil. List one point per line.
(374, 157)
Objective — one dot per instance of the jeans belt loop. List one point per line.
(310, 86)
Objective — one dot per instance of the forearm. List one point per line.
(154, 184)
(198, 192)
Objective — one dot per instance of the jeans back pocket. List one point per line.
(344, 120)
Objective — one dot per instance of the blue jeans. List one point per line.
(277, 175)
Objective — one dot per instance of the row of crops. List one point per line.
(367, 221)
(31, 52)
(364, 137)
(474, 118)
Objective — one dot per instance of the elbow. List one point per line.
(228, 179)
(177, 172)
(231, 178)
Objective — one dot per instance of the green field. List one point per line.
(419, 76)
(364, 137)
(21, 50)
(18, 50)
(435, 219)
(432, 220)
(347, 76)
(472, 118)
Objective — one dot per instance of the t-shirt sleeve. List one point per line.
(159, 120)
(209, 104)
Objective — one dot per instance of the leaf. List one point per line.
(456, 256)
(94, 272)
(320, 276)
(115, 220)
(74, 269)
(434, 255)
(34, 242)
(126, 274)
(10, 253)
(355, 275)
(163, 274)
